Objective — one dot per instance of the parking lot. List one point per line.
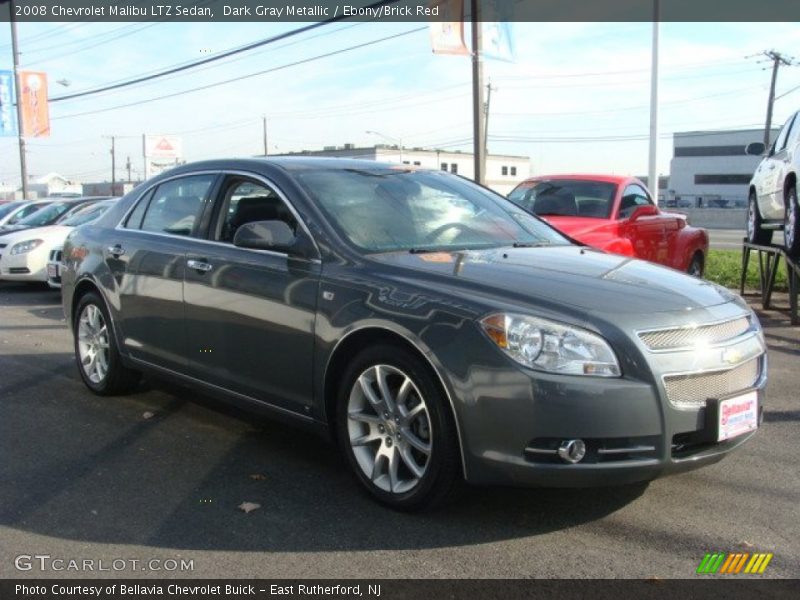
(160, 474)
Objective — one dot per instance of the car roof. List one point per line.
(291, 163)
(584, 177)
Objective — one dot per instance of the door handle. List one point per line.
(116, 250)
(199, 265)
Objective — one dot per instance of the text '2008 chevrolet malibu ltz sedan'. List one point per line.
(436, 330)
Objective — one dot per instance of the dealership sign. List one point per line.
(161, 152)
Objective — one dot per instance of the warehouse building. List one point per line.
(709, 169)
(503, 171)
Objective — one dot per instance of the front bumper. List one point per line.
(512, 420)
(31, 266)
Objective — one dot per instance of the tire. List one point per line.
(382, 434)
(755, 233)
(696, 265)
(93, 335)
(791, 224)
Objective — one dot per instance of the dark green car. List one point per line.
(435, 330)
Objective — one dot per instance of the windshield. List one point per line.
(87, 215)
(566, 197)
(6, 209)
(46, 215)
(391, 209)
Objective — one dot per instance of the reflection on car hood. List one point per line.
(582, 278)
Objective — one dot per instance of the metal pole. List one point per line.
(486, 119)
(776, 62)
(113, 165)
(23, 167)
(478, 115)
(264, 118)
(652, 172)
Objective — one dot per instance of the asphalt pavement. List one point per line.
(159, 475)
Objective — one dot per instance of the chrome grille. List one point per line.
(692, 391)
(55, 255)
(683, 337)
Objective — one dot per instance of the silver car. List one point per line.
(773, 190)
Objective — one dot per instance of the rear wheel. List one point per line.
(99, 362)
(791, 224)
(396, 430)
(697, 265)
(755, 233)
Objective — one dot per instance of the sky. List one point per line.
(575, 98)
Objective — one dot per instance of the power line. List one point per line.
(241, 77)
(219, 56)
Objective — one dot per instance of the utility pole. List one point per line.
(777, 60)
(478, 114)
(128, 166)
(652, 171)
(23, 167)
(489, 89)
(113, 165)
(264, 118)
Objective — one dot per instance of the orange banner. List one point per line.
(447, 36)
(33, 99)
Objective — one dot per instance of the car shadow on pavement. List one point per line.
(159, 468)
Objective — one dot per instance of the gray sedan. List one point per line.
(437, 332)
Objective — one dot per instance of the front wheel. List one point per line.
(755, 233)
(96, 352)
(396, 430)
(791, 224)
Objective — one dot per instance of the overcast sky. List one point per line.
(570, 84)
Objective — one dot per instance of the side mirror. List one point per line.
(755, 149)
(646, 210)
(273, 235)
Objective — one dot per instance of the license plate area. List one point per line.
(732, 416)
(52, 270)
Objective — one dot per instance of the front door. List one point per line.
(647, 233)
(250, 313)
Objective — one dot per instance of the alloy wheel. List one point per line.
(389, 428)
(93, 347)
(751, 220)
(790, 227)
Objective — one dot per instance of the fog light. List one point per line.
(572, 451)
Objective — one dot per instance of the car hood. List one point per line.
(49, 233)
(579, 226)
(565, 276)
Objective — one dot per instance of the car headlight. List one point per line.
(25, 246)
(550, 346)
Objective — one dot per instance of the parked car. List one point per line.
(13, 212)
(615, 214)
(24, 254)
(437, 331)
(773, 190)
(51, 213)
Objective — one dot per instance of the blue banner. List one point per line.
(8, 112)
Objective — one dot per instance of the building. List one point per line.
(104, 188)
(53, 184)
(503, 171)
(711, 169)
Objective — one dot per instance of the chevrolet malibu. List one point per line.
(435, 330)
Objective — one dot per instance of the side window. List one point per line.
(134, 220)
(245, 201)
(633, 196)
(780, 141)
(176, 205)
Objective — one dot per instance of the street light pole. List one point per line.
(23, 167)
(478, 114)
(398, 141)
(652, 171)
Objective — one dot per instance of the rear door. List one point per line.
(250, 313)
(147, 258)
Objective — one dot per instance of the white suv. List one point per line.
(773, 189)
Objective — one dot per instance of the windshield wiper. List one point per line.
(530, 244)
(424, 250)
